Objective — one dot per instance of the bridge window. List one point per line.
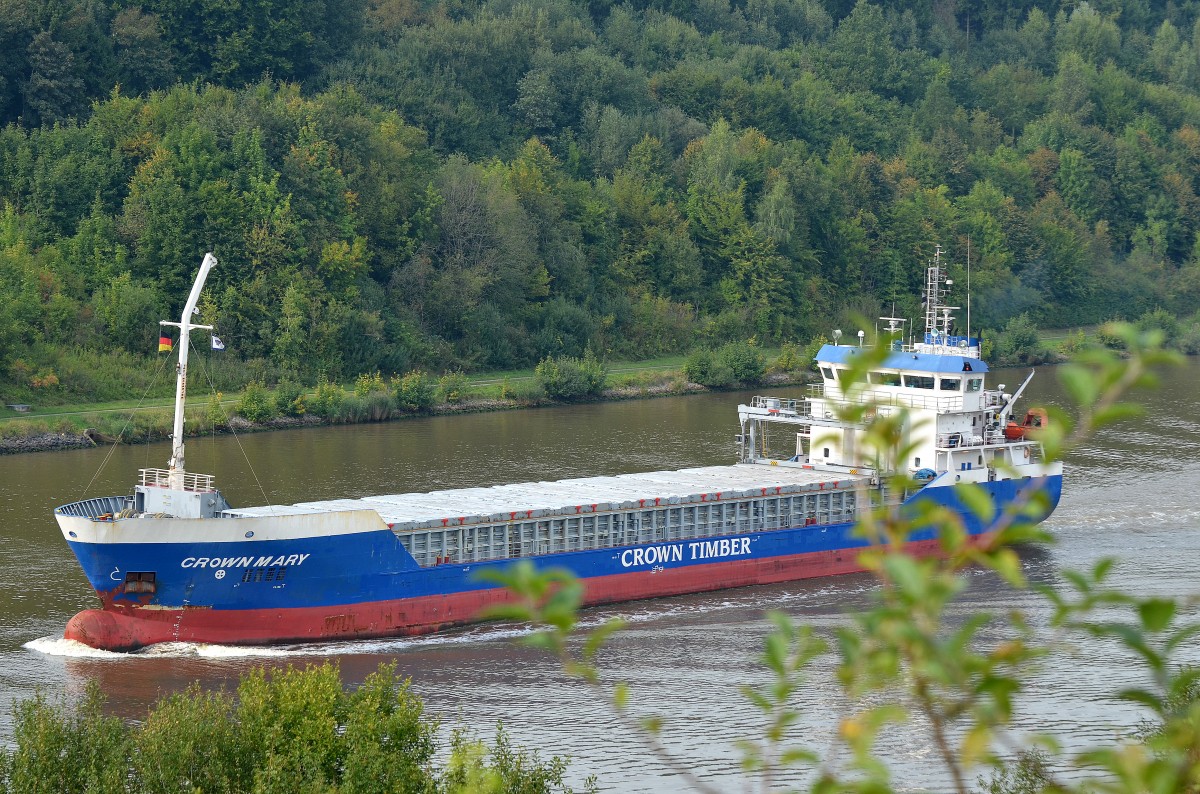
(918, 381)
(885, 378)
(951, 384)
(828, 372)
(974, 384)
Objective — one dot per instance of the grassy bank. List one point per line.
(374, 398)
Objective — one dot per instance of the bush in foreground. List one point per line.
(286, 731)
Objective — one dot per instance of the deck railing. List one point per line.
(97, 506)
(161, 478)
(890, 399)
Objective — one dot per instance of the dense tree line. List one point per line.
(450, 184)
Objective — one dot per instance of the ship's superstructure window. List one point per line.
(951, 384)
(918, 381)
(828, 372)
(885, 378)
(974, 384)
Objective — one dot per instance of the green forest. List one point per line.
(393, 185)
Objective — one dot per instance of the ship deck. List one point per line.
(570, 497)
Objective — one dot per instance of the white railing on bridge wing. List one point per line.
(991, 438)
(943, 350)
(161, 478)
(782, 405)
(906, 399)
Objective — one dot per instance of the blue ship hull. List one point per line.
(367, 584)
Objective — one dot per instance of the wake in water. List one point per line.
(637, 613)
(57, 646)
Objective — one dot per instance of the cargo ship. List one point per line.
(173, 561)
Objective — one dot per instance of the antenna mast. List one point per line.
(968, 289)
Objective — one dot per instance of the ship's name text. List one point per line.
(244, 562)
(677, 552)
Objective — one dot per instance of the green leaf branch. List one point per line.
(907, 656)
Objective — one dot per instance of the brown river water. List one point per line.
(1130, 493)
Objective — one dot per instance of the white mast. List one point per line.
(185, 325)
(938, 318)
(968, 289)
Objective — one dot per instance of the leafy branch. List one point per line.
(906, 647)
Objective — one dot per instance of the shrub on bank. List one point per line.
(256, 404)
(415, 391)
(812, 349)
(327, 401)
(374, 406)
(1163, 321)
(369, 382)
(745, 360)
(569, 378)
(289, 399)
(1074, 344)
(453, 387)
(1019, 344)
(735, 362)
(214, 412)
(703, 366)
(790, 359)
(1188, 342)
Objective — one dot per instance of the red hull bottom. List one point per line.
(119, 628)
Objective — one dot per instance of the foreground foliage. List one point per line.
(910, 658)
(285, 731)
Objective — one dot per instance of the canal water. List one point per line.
(1130, 493)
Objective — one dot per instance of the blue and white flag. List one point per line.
(217, 344)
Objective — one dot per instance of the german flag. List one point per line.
(164, 344)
